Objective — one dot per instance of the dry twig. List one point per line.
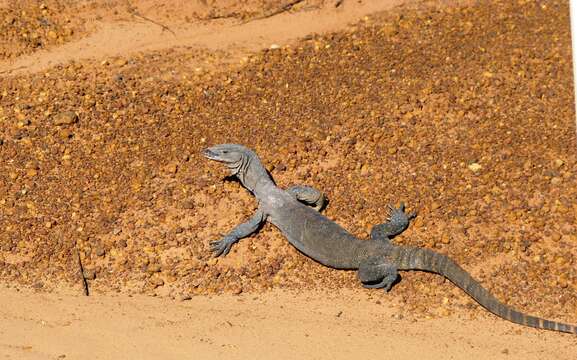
(285, 7)
(132, 11)
(81, 271)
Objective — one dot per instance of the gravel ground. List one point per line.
(464, 113)
(27, 26)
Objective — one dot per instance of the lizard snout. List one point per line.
(208, 153)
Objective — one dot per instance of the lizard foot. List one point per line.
(397, 222)
(384, 284)
(222, 247)
(377, 275)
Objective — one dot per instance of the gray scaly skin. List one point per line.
(295, 212)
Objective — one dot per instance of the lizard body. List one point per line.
(377, 260)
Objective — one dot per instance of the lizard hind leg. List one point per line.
(397, 222)
(376, 274)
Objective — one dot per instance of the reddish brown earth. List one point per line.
(465, 112)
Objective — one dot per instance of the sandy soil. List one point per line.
(340, 324)
(465, 112)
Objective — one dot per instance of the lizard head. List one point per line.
(241, 161)
(235, 157)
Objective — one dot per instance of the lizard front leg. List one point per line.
(308, 195)
(397, 222)
(222, 247)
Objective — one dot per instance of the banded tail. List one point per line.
(414, 258)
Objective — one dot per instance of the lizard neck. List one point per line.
(253, 174)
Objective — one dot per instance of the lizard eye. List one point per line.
(225, 151)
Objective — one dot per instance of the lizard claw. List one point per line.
(222, 247)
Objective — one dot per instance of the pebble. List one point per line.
(65, 118)
(153, 268)
(121, 62)
(156, 281)
(558, 163)
(475, 167)
(100, 251)
(184, 297)
(31, 172)
(171, 168)
(556, 181)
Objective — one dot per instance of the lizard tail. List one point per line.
(414, 258)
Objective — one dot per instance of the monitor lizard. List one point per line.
(296, 213)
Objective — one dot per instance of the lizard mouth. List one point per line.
(209, 154)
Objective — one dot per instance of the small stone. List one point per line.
(392, 151)
(444, 312)
(121, 62)
(156, 281)
(122, 243)
(274, 46)
(184, 297)
(23, 123)
(153, 268)
(65, 118)
(445, 239)
(31, 172)
(171, 168)
(558, 163)
(100, 251)
(52, 34)
(188, 204)
(475, 167)
(116, 231)
(48, 224)
(556, 181)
